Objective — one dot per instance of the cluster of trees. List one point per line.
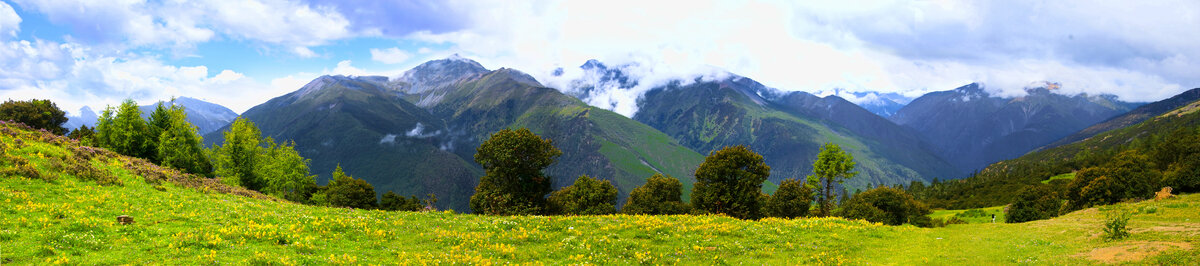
(245, 158)
(728, 182)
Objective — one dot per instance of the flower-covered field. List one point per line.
(59, 203)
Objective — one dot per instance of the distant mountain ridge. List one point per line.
(787, 128)
(971, 128)
(1138, 115)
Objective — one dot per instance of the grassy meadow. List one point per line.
(57, 217)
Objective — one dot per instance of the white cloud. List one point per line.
(1140, 52)
(10, 22)
(304, 52)
(390, 55)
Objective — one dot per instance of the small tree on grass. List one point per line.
(587, 196)
(85, 135)
(236, 160)
(123, 131)
(792, 199)
(347, 191)
(179, 145)
(832, 166)
(886, 205)
(729, 181)
(393, 202)
(660, 195)
(1033, 203)
(513, 183)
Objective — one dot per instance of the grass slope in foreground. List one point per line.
(189, 221)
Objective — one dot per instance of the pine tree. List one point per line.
(123, 131)
(236, 159)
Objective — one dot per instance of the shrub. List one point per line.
(1116, 225)
(887, 205)
(729, 182)
(792, 199)
(660, 195)
(393, 202)
(1128, 176)
(587, 196)
(1033, 203)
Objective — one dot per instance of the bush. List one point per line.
(587, 196)
(1033, 203)
(660, 195)
(1128, 176)
(729, 182)
(792, 199)
(393, 202)
(1116, 225)
(887, 205)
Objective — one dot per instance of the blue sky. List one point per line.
(241, 54)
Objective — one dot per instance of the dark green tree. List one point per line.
(393, 202)
(123, 131)
(180, 146)
(236, 159)
(587, 196)
(793, 199)
(660, 195)
(729, 182)
(1032, 204)
(85, 135)
(832, 166)
(513, 183)
(1184, 175)
(1129, 175)
(886, 205)
(347, 191)
(160, 120)
(40, 114)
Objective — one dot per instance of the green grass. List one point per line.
(974, 216)
(67, 220)
(1067, 176)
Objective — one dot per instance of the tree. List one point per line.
(160, 120)
(180, 145)
(587, 196)
(1184, 175)
(793, 199)
(729, 181)
(1129, 175)
(236, 159)
(1033, 203)
(85, 135)
(513, 182)
(886, 205)
(393, 202)
(284, 171)
(347, 191)
(832, 166)
(660, 195)
(123, 131)
(40, 114)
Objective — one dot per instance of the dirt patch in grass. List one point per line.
(1185, 229)
(1133, 251)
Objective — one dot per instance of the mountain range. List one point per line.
(971, 128)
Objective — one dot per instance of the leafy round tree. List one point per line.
(1032, 204)
(513, 183)
(660, 195)
(40, 114)
(85, 135)
(886, 205)
(1126, 176)
(832, 166)
(587, 196)
(284, 172)
(729, 181)
(394, 202)
(347, 191)
(792, 199)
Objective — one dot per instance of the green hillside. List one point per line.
(56, 213)
(1168, 138)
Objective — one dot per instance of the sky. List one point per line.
(243, 53)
